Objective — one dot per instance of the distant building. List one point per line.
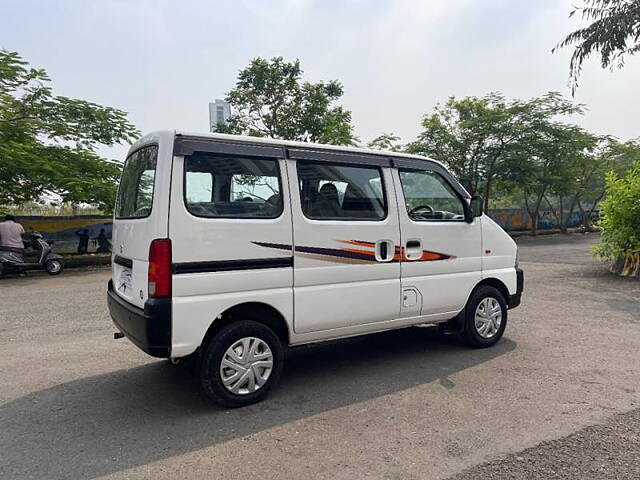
(219, 112)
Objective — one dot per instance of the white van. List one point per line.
(228, 249)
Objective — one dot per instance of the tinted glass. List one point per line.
(339, 192)
(429, 197)
(232, 187)
(135, 194)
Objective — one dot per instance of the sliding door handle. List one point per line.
(384, 250)
(413, 249)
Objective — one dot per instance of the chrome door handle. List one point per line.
(384, 250)
(413, 249)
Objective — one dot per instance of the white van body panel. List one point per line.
(499, 253)
(444, 284)
(331, 292)
(131, 237)
(318, 297)
(199, 298)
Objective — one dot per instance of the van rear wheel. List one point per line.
(241, 363)
(485, 317)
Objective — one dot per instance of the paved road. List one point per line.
(77, 404)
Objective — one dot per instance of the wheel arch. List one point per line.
(492, 282)
(257, 311)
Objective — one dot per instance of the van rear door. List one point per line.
(141, 215)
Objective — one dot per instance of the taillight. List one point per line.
(159, 279)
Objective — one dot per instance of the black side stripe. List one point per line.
(229, 265)
(125, 262)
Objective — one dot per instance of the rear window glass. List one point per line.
(135, 195)
(232, 187)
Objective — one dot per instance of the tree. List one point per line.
(580, 177)
(614, 33)
(47, 142)
(478, 137)
(386, 141)
(589, 177)
(271, 100)
(620, 239)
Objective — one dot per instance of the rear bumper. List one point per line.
(514, 300)
(149, 328)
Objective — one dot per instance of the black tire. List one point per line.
(471, 334)
(212, 356)
(53, 266)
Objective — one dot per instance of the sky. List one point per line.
(163, 61)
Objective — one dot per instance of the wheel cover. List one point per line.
(54, 266)
(246, 366)
(488, 317)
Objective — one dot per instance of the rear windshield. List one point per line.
(135, 195)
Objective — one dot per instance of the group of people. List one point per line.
(102, 242)
(11, 237)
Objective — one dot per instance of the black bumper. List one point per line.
(514, 300)
(149, 328)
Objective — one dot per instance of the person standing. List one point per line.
(11, 234)
(104, 246)
(83, 240)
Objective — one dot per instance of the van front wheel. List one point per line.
(485, 317)
(241, 363)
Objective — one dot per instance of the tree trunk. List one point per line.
(571, 209)
(487, 192)
(593, 208)
(534, 214)
(586, 220)
(553, 210)
(561, 223)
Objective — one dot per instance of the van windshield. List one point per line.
(135, 195)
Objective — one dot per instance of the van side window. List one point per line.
(199, 187)
(340, 192)
(135, 195)
(429, 197)
(232, 187)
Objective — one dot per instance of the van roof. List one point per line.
(276, 142)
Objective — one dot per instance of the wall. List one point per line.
(61, 230)
(514, 219)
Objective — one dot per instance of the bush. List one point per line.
(620, 222)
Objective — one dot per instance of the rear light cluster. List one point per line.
(159, 279)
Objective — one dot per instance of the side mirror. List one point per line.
(475, 207)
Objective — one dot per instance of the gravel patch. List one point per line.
(607, 451)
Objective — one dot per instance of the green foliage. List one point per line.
(386, 141)
(47, 142)
(481, 139)
(620, 221)
(271, 100)
(614, 33)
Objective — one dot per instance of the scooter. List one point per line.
(13, 259)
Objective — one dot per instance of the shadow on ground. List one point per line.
(111, 422)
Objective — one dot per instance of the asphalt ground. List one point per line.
(408, 404)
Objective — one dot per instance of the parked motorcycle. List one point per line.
(13, 259)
